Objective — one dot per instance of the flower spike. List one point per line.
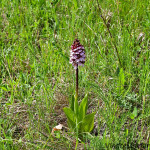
(77, 54)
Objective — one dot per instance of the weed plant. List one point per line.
(37, 81)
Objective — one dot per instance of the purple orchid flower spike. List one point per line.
(77, 54)
(77, 58)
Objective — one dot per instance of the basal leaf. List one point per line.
(69, 113)
(83, 107)
(71, 124)
(88, 123)
(76, 106)
(71, 116)
(72, 103)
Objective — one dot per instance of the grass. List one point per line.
(37, 81)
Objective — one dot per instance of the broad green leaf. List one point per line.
(71, 124)
(88, 123)
(70, 116)
(69, 113)
(76, 106)
(72, 103)
(83, 107)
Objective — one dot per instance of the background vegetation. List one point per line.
(37, 81)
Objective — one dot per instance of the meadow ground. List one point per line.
(37, 81)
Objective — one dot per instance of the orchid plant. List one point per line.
(78, 119)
